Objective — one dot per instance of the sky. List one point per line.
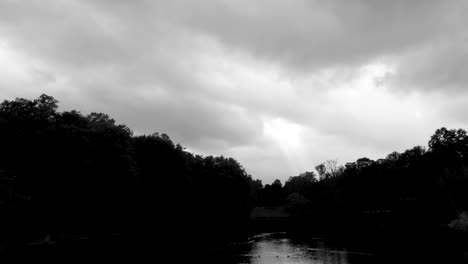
(281, 86)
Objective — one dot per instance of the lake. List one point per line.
(268, 248)
(282, 247)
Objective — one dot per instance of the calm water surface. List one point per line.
(274, 248)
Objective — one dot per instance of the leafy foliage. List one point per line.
(63, 173)
(416, 186)
(66, 173)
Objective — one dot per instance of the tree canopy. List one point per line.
(65, 173)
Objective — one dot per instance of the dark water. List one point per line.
(282, 247)
(259, 248)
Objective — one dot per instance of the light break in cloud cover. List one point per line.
(279, 85)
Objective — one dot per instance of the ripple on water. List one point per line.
(282, 247)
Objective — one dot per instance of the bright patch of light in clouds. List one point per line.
(288, 136)
(12, 65)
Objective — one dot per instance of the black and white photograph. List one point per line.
(234, 131)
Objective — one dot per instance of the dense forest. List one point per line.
(66, 176)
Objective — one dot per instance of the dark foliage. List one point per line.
(65, 176)
(418, 189)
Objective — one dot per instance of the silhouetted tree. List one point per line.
(329, 169)
(65, 173)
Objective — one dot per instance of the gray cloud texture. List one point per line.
(279, 85)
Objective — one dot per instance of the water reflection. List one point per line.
(283, 248)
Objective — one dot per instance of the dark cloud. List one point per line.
(278, 85)
(436, 67)
(316, 33)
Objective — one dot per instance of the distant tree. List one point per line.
(394, 156)
(301, 183)
(450, 145)
(309, 176)
(272, 194)
(277, 184)
(363, 163)
(412, 156)
(299, 206)
(322, 170)
(329, 169)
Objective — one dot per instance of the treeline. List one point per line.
(419, 189)
(65, 175)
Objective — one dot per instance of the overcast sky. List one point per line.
(279, 85)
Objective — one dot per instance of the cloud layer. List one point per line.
(280, 86)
